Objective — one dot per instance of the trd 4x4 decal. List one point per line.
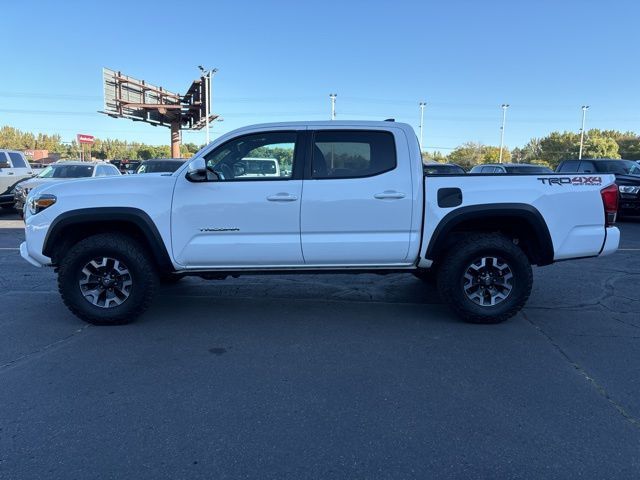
(571, 180)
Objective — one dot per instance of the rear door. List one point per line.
(357, 198)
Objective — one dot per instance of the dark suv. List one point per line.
(627, 174)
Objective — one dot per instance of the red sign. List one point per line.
(82, 138)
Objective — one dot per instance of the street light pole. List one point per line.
(504, 120)
(333, 96)
(584, 115)
(422, 105)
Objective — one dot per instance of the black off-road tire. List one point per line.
(460, 256)
(127, 250)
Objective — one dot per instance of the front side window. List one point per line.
(569, 166)
(586, 167)
(17, 160)
(263, 156)
(352, 154)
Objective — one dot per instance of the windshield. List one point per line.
(621, 167)
(67, 171)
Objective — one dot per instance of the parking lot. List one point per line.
(323, 376)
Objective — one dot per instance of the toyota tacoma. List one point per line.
(349, 197)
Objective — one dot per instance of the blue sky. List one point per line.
(279, 60)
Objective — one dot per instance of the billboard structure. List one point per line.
(138, 100)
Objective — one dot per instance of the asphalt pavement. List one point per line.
(323, 376)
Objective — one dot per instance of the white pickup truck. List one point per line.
(352, 197)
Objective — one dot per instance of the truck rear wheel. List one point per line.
(485, 278)
(107, 279)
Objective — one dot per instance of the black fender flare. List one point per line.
(104, 215)
(524, 211)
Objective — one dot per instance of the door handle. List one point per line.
(282, 197)
(9, 173)
(389, 195)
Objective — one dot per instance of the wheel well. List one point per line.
(69, 231)
(527, 233)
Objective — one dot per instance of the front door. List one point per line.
(248, 214)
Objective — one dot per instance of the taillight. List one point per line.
(610, 202)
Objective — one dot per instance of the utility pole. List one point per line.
(584, 115)
(422, 105)
(333, 96)
(504, 120)
(208, 75)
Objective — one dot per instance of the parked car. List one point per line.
(442, 169)
(161, 165)
(60, 172)
(517, 168)
(627, 177)
(355, 201)
(13, 169)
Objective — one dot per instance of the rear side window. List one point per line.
(569, 166)
(352, 154)
(17, 160)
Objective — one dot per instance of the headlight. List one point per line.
(629, 189)
(40, 202)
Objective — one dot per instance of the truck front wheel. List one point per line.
(107, 279)
(485, 278)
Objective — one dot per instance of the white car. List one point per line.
(356, 200)
(13, 169)
(61, 171)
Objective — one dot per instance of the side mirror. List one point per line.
(197, 171)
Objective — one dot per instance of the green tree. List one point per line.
(428, 157)
(558, 146)
(471, 154)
